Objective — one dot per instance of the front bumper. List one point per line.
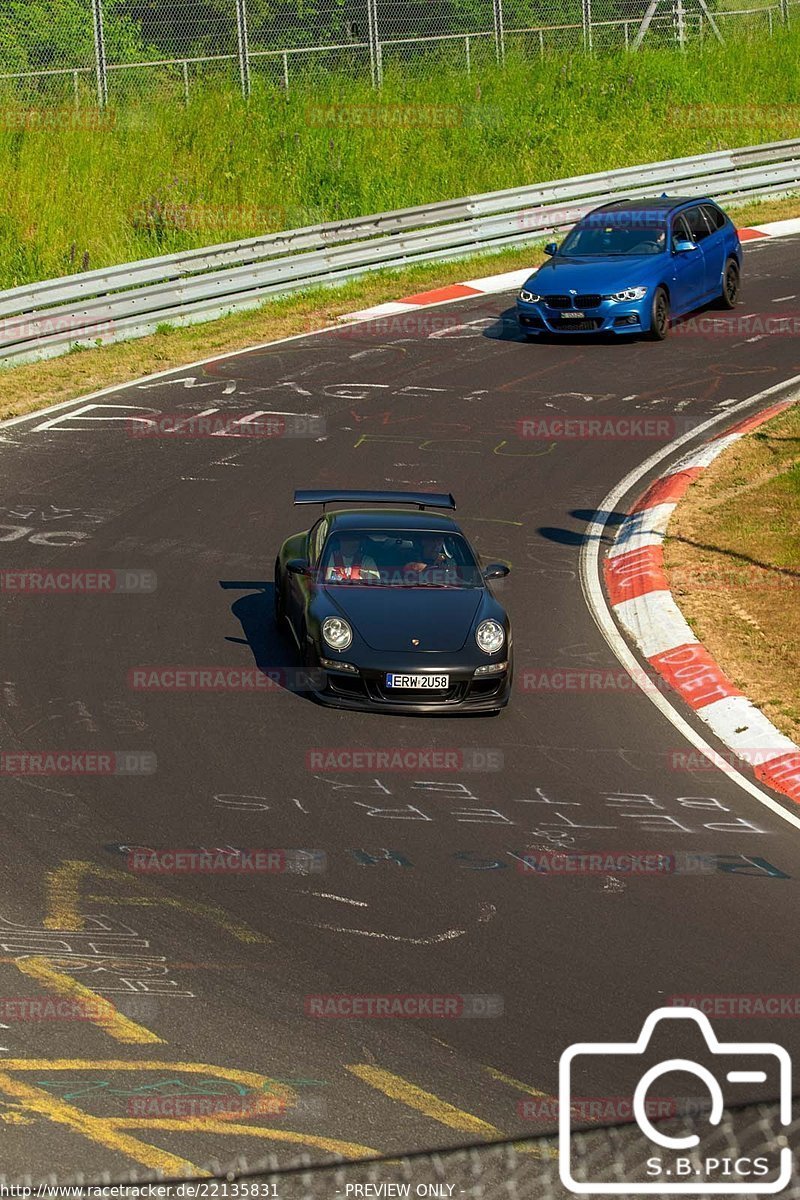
(610, 316)
(367, 690)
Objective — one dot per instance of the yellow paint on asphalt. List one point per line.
(515, 1083)
(98, 1010)
(64, 899)
(213, 1125)
(96, 1129)
(397, 1088)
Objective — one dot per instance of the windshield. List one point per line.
(615, 237)
(399, 558)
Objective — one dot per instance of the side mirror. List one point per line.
(298, 566)
(683, 247)
(496, 571)
(551, 248)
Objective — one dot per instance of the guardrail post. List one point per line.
(244, 51)
(100, 53)
(499, 31)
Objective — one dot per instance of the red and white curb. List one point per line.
(641, 599)
(512, 280)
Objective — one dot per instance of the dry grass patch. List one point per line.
(733, 561)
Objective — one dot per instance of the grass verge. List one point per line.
(733, 562)
(37, 385)
(152, 176)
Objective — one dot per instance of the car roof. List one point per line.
(657, 205)
(404, 518)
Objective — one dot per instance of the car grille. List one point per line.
(452, 695)
(587, 300)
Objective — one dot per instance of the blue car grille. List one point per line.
(587, 300)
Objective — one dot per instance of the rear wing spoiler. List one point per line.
(420, 499)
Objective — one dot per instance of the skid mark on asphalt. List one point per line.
(64, 898)
(97, 1009)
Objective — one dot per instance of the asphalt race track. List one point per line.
(421, 892)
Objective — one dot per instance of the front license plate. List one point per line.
(573, 316)
(419, 682)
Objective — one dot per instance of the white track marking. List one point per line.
(599, 608)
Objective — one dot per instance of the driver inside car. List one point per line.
(433, 558)
(347, 562)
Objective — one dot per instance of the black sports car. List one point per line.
(391, 610)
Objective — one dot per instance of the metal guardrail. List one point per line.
(43, 320)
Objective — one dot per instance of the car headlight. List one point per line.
(490, 636)
(529, 297)
(634, 293)
(337, 632)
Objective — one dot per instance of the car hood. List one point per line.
(602, 275)
(388, 618)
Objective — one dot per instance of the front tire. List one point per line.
(659, 316)
(731, 283)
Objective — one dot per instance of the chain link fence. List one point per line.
(96, 51)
